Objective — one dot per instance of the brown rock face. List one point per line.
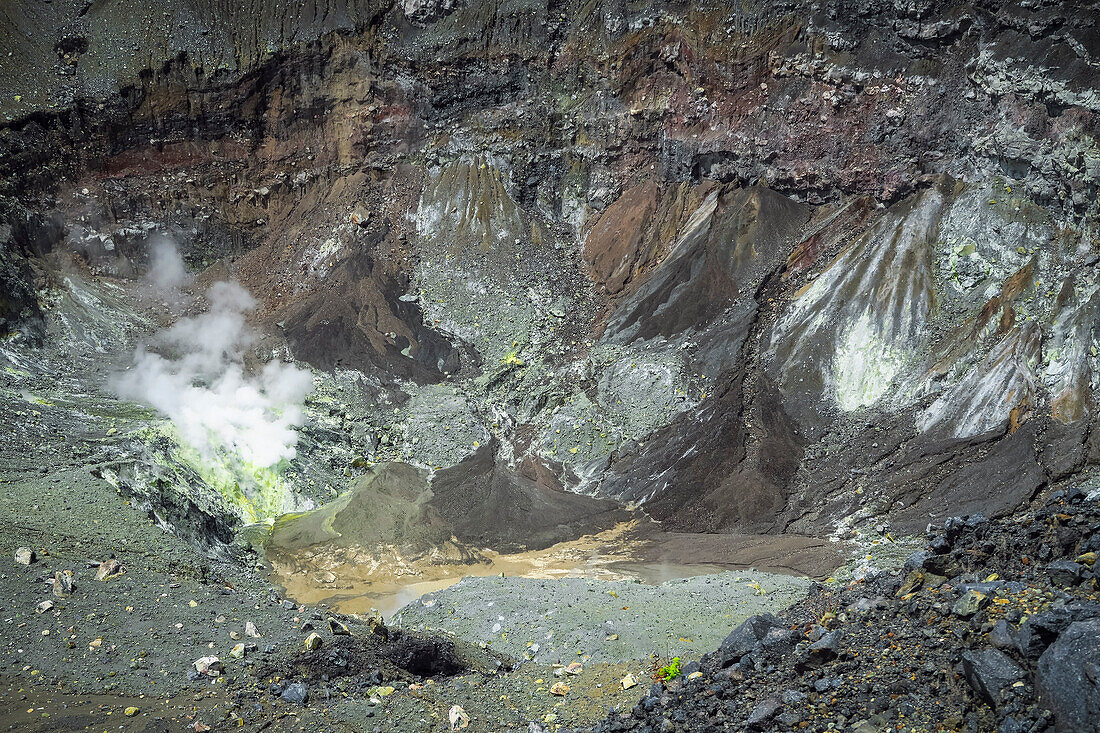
(639, 229)
(615, 246)
(725, 250)
(357, 321)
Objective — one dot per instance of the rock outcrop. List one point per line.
(909, 648)
(769, 268)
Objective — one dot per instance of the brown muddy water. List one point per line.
(380, 580)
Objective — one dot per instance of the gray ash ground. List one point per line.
(79, 661)
(996, 627)
(558, 621)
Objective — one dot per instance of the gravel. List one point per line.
(575, 618)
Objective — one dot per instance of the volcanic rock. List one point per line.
(1066, 573)
(296, 693)
(970, 603)
(746, 637)
(1068, 677)
(991, 673)
(62, 583)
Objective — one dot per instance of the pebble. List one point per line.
(458, 717)
(296, 693)
(62, 582)
(209, 666)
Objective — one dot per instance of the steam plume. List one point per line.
(167, 270)
(193, 373)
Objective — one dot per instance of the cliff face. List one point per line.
(759, 267)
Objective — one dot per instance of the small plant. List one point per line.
(670, 670)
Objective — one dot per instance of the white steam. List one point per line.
(193, 373)
(167, 270)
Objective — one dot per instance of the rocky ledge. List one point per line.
(995, 626)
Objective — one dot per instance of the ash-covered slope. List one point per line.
(769, 267)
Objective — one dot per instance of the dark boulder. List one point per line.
(1035, 635)
(821, 652)
(1065, 573)
(296, 693)
(991, 673)
(828, 646)
(916, 560)
(1068, 678)
(778, 642)
(1001, 635)
(745, 637)
(939, 545)
(956, 527)
(763, 712)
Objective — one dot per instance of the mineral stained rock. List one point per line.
(754, 267)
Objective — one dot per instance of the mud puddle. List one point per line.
(354, 580)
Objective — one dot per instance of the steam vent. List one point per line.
(550, 366)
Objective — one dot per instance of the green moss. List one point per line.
(670, 671)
